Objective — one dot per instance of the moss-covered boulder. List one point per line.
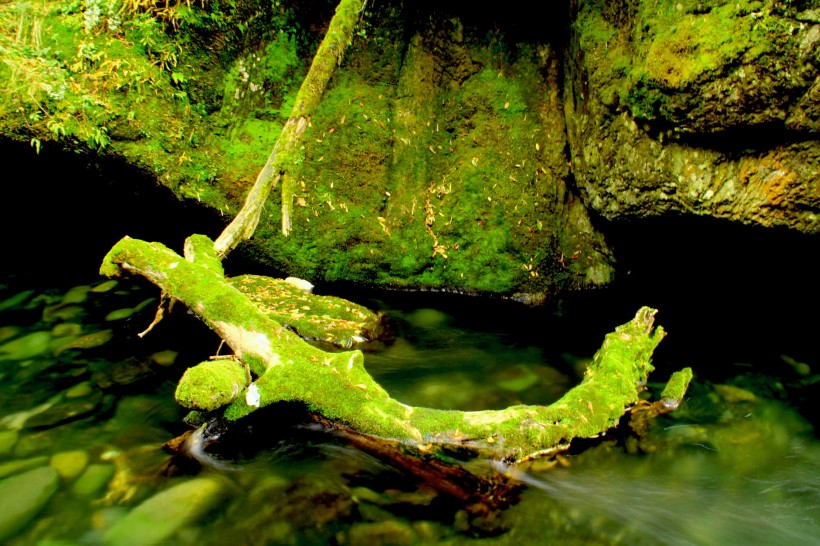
(212, 384)
(698, 107)
(436, 158)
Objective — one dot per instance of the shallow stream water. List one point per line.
(738, 463)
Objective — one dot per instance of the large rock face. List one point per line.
(455, 148)
(437, 159)
(703, 107)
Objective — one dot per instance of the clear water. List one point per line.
(739, 463)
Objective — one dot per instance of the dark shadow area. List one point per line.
(738, 141)
(65, 210)
(722, 289)
(518, 21)
(739, 303)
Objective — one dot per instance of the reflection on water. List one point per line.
(86, 407)
(437, 360)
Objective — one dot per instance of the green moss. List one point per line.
(262, 84)
(646, 101)
(683, 45)
(677, 385)
(669, 47)
(199, 249)
(338, 386)
(320, 318)
(422, 186)
(383, 186)
(211, 385)
(607, 51)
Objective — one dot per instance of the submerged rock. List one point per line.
(25, 347)
(211, 385)
(69, 464)
(16, 300)
(11, 468)
(77, 294)
(79, 390)
(23, 496)
(87, 341)
(104, 286)
(7, 440)
(62, 312)
(157, 519)
(8, 332)
(93, 480)
(164, 358)
(66, 410)
(125, 372)
(66, 329)
(119, 314)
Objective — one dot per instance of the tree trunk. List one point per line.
(286, 151)
(337, 386)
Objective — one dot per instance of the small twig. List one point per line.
(221, 343)
(158, 316)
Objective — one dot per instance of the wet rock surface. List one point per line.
(23, 496)
(704, 108)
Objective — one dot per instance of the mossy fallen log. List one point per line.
(337, 386)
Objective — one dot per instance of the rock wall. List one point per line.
(700, 107)
(455, 149)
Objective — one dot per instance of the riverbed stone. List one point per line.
(165, 358)
(79, 390)
(16, 300)
(8, 332)
(23, 496)
(69, 464)
(518, 378)
(67, 329)
(21, 465)
(104, 286)
(119, 314)
(62, 312)
(77, 294)
(87, 341)
(95, 477)
(427, 318)
(25, 347)
(393, 532)
(66, 410)
(7, 440)
(157, 519)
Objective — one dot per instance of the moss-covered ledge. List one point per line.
(337, 385)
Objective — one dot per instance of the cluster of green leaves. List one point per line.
(70, 69)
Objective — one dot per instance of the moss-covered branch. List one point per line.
(337, 386)
(286, 150)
